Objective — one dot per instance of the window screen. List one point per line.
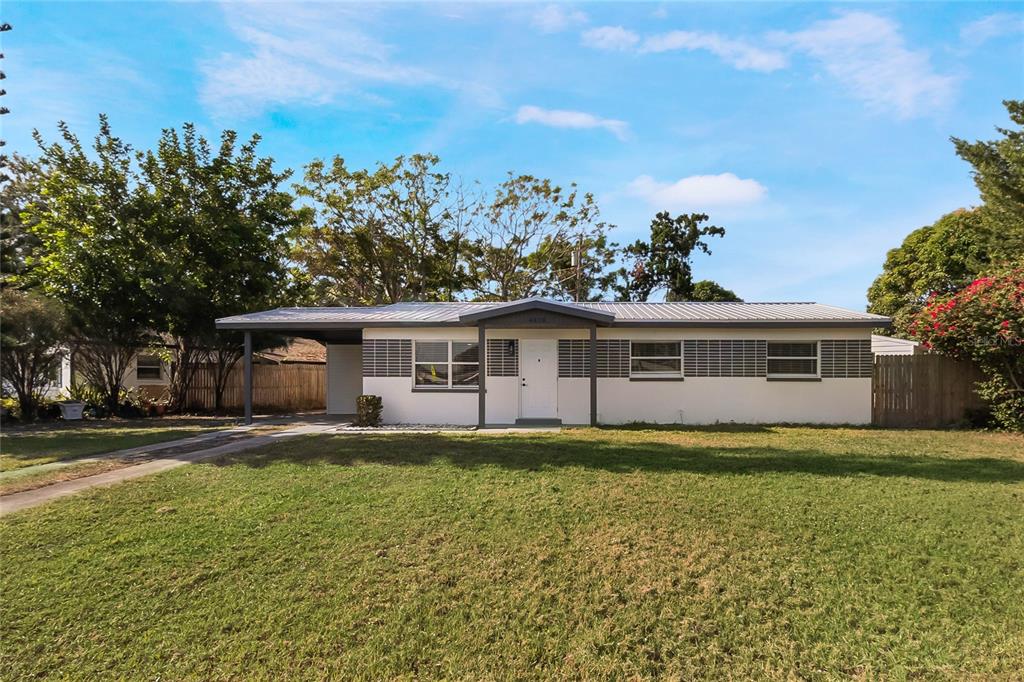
(656, 358)
(147, 367)
(793, 358)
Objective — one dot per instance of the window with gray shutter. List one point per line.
(502, 358)
(846, 359)
(793, 359)
(573, 358)
(387, 357)
(656, 359)
(724, 358)
(612, 358)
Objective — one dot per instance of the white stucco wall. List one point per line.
(344, 377)
(695, 400)
(707, 400)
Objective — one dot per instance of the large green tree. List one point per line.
(96, 254)
(19, 187)
(396, 233)
(218, 237)
(664, 262)
(33, 332)
(998, 170)
(936, 259)
(709, 291)
(526, 238)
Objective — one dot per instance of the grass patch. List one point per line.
(28, 446)
(732, 553)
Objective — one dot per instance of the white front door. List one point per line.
(538, 392)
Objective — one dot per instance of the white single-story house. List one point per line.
(539, 361)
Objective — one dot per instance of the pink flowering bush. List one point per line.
(984, 322)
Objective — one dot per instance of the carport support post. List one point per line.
(593, 375)
(481, 349)
(248, 377)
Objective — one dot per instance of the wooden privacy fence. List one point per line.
(285, 388)
(923, 391)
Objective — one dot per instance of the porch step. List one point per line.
(538, 422)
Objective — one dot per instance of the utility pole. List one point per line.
(577, 263)
(4, 28)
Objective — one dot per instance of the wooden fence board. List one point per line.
(284, 387)
(923, 390)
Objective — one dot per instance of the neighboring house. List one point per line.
(890, 345)
(150, 375)
(588, 363)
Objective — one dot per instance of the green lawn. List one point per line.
(27, 446)
(708, 553)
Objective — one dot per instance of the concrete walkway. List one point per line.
(32, 498)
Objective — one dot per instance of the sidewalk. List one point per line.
(32, 498)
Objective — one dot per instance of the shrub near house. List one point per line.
(985, 323)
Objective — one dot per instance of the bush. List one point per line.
(984, 323)
(368, 410)
(131, 403)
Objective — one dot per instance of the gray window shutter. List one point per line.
(502, 358)
(387, 357)
(846, 359)
(573, 358)
(725, 358)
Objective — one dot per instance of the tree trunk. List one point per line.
(104, 365)
(225, 360)
(183, 370)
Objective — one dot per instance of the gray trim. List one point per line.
(753, 324)
(657, 379)
(481, 381)
(593, 375)
(247, 368)
(538, 421)
(284, 326)
(426, 389)
(792, 378)
(501, 309)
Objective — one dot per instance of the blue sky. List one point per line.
(817, 135)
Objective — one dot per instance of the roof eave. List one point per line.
(502, 309)
(757, 324)
(286, 325)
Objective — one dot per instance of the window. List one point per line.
(53, 371)
(793, 359)
(655, 359)
(446, 364)
(147, 367)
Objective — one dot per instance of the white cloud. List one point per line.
(610, 38)
(697, 192)
(867, 54)
(993, 26)
(310, 54)
(561, 118)
(738, 53)
(555, 18)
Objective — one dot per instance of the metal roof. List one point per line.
(761, 312)
(687, 314)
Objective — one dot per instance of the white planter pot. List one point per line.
(71, 411)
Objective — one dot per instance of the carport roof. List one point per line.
(687, 314)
